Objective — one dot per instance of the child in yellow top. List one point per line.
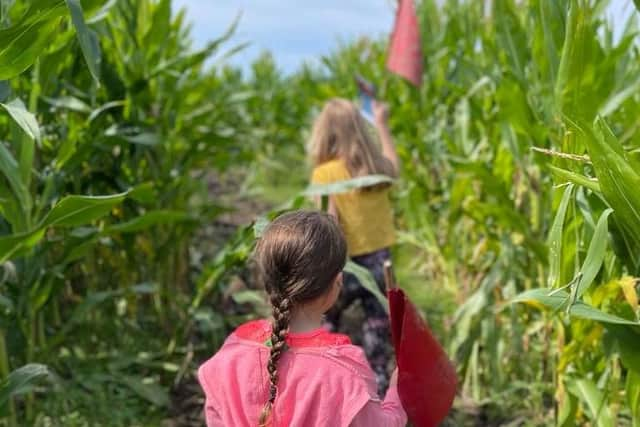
(342, 148)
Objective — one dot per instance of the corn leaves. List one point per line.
(595, 401)
(24, 41)
(557, 300)
(21, 381)
(87, 38)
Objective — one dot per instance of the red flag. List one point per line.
(426, 378)
(405, 52)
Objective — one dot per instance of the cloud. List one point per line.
(293, 30)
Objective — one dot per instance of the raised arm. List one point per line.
(381, 117)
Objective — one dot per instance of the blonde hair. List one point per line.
(297, 258)
(339, 132)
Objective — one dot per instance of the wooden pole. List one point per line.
(389, 278)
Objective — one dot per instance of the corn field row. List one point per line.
(518, 205)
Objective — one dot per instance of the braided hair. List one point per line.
(297, 258)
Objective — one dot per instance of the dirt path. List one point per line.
(186, 399)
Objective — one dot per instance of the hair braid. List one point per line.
(281, 316)
(297, 258)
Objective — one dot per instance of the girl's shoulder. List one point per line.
(333, 349)
(259, 331)
(255, 330)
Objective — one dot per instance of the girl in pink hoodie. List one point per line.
(290, 371)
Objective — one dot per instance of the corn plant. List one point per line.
(108, 99)
(490, 143)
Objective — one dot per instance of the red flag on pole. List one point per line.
(405, 51)
(427, 379)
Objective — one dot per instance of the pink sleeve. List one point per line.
(212, 417)
(389, 413)
(211, 414)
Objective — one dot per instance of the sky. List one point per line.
(303, 30)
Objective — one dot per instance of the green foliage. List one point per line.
(21, 381)
(115, 106)
(87, 38)
(112, 129)
(479, 213)
(24, 41)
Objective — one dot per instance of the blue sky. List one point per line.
(299, 30)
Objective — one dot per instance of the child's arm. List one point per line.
(389, 413)
(212, 416)
(381, 115)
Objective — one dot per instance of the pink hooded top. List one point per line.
(323, 380)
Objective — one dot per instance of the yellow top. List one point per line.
(366, 217)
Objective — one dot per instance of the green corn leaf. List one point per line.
(65, 152)
(90, 302)
(617, 99)
(73, 211)
(190, 60)
(552, 33)
(11, 170)
(149, 219)
(145, 138)
(78, 251)
(102, 13)
(109, 105)
(594, 399)
(346, 185)
(29, 125)
(88, 40)
(567, 411)
(574, 91)
(160, 24)
(22, 381)
(595, 254)
(259, 226)
(23, 118)
(556, 300)
(591, 184)
(16, 245)
(150, 391)
(22, 43)
(618, 177)
(633, 395)
(5, 90)
(564, 69)
(69, 103)
(367, 280)
(78, 210)
(609, 138)
(144, 193)
(627, 341)
(555, 238)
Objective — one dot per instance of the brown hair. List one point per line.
(339, 132)
(297, 258)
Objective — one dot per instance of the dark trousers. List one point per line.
(376, 338)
